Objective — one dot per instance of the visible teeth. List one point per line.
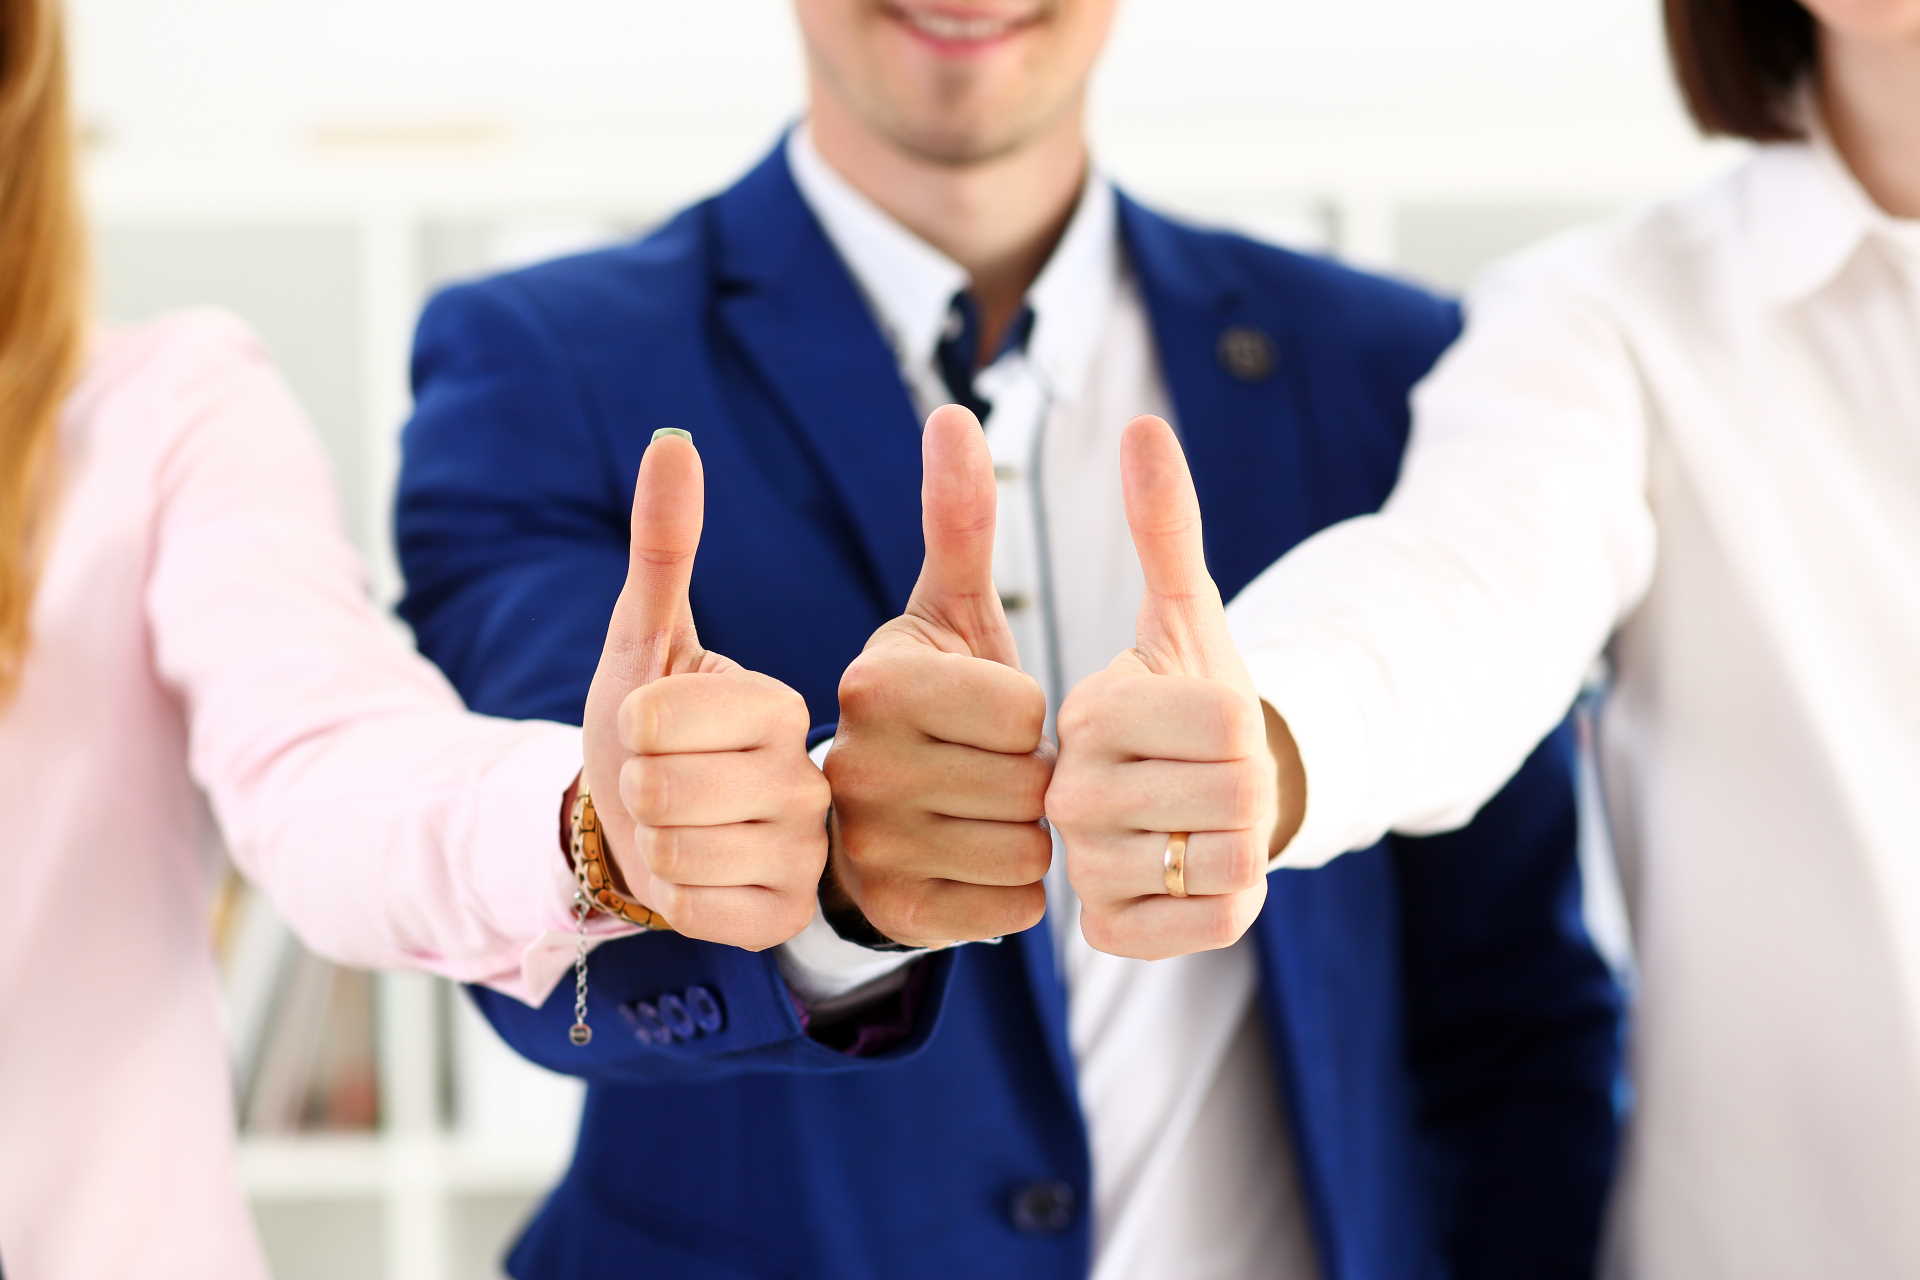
(945, 27)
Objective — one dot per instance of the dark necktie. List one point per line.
(959, 350)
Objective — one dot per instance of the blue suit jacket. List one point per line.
(1445, 1035)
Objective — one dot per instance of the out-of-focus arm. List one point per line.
(388, 826)
(1418, 655)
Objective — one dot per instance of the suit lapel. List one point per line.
(1232, 368)
(804, 326)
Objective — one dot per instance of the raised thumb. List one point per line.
(669, 500)
(957, 506)
(1182, 622)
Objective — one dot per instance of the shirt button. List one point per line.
(1005, 472)
(705, 1009)
(1014, 601)
(1043, 1208)
(673, 1012)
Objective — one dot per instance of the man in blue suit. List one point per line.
(1398, 1066)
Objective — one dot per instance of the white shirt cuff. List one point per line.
(826, 971)
(523, 798)
(1330, 707)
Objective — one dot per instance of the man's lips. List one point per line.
(959, 30)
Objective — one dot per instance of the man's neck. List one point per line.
(1870, 94)
(998, 219)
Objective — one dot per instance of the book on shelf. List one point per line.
(301, 1029)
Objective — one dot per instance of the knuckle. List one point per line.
(866, 689)
(802, 861)
(1103, 931)
(787, 716)
(643, 790)
(766, 928)
(1074, 718)
(802, 794)
(857, 838)
(1032, 780)
(1086, 873)
(1246, 859)
(895, 910)
(1068, 803)
(1032, 854)
(795, 912)
(1243, 796)
(1024, 907)
(1216, 925)
(1027, 707)
(634, 719)
(1084, 711)
(676, 904)
(665, 851)
(1233, 717)
(851, 772)
(1097, 872)
(812, 794)
(922, 916)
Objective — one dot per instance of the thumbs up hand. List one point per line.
(698, 768)
(938, 768)
(1171, 740)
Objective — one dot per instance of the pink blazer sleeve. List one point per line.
(389, 827)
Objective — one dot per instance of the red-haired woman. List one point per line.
(178, 612)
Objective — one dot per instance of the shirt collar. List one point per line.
(910, 284)
(1076, 290)
(1809, 213)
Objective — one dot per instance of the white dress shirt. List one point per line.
(1192, 1164)
(1697, 432)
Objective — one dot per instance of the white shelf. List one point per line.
(325, 1166)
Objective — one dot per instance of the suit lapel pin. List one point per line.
(1246, 353)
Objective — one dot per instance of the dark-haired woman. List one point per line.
(1689, 440)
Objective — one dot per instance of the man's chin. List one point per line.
(960, 147)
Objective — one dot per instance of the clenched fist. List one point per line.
(938, 768)
(714, 815)
(1171, 738)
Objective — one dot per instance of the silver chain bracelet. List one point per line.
(580, 1033)
(594, 891)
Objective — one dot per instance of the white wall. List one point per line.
(1473, 91)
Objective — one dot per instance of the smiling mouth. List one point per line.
(955, 30)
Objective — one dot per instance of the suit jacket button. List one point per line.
(673, 1012)
(705, 1010)
(1246, 353)
(647, 1027)
(1043, 1208)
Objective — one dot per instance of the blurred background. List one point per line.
(319, 168)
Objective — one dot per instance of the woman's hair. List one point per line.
(43, 292)
(1740, 62)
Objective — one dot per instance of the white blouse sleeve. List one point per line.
(1418, 655)
(388, 826)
